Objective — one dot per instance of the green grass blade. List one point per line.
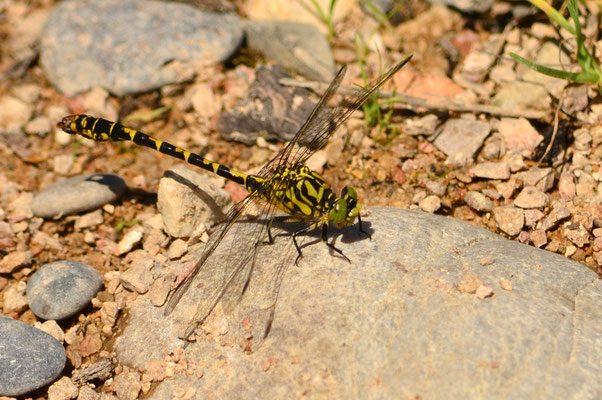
(582, 77)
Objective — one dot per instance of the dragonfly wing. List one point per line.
(212, 291)
(258, 305)
(323, 126)
(320, 112)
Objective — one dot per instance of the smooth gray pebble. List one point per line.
(61, 289)
(29, 358)
(77, 194)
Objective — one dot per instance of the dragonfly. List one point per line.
(284, 184)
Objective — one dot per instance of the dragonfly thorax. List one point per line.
(306, 196)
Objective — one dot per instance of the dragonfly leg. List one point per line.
(294, 236)
(359, 219)
(332, 246)
(282, 218)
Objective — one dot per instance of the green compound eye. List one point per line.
(346, 208)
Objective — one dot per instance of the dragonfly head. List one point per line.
(346, 208)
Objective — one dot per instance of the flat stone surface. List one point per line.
(129, 46)
(460, 139)
(491, 170)
(519, 135)
(531, 197)
(29, 358)
(60, 289)
(415, 314)
(77, 194)
(293, 45)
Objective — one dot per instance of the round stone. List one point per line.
(60, 289)
(29, 358)
(77, 194)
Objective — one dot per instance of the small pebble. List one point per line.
(539, 238)
(509, 219)
(14, 260)
(524, 237)
(160, 289)
(7, 239)
(531, 197)
(585, 186)
(566, 186)
(507, 189)
(177, 249)
(477, 201)
(419, 196)
(492, 170)
(430, 204)
(577, 234)
(61, 289)
(89, 220)
(492, 149)
(491, 193)
(63, 389)
(37, 356)
(570, 250)
(138, 277)
(483, 292)
(436, 187)
(77, 194)
(131, 238)
(559, 212)
(532, 216)
(62, 164)
(488, 260)
(541, 178)
(127, 385)
(516, 161)
(109, 312)
(155, 241)
(14, 300)
(505, 284)
(92, 341)
(460, 139)
(87, 393)
(38, 126)
(519, 135)
(14, 113)
(52, 328)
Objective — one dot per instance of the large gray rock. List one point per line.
(401, 320)
(29, 358)
(129, 46)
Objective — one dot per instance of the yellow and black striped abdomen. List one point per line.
(100, 130)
